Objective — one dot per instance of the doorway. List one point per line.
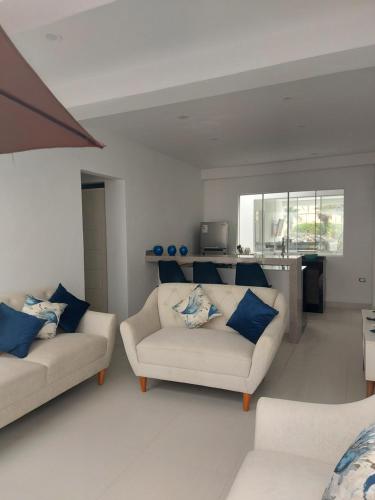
(104, 239)
(95, 245)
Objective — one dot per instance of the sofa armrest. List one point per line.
(139, 326)
(102, 324)
(267, 346)
(318, 431)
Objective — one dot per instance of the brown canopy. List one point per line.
(30, 115)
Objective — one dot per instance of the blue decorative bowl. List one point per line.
(158, 250)
(183, 250)
(172, 250)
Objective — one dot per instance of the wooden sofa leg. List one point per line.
(246, 401)
(101, 377)
(143, 383)
(370, 387)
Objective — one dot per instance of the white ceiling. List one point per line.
(21, 15)
(322, 116)
(225, 64)
(137, 47)
(136, 32)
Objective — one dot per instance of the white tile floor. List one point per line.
(176, 442)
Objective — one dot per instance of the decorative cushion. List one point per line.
(251, 317)
(48, 311)
(206, 272)
(17, 331)
(196, 308)
(170, 272)
(354, 475)
(74, 311)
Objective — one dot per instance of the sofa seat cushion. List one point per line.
(268, 475)
(19, 378)
(67, 353)
(201, 349)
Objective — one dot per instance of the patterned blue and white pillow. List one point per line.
(354, 475)
(197, 308)
(49, 311)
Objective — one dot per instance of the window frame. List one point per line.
(340, 191)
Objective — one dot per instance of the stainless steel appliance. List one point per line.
(213, 238)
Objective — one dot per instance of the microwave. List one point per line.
(214, 238)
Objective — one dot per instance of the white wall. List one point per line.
(221, 203)
(41, 221)
(115, 195)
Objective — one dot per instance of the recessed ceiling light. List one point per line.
(183, 117)
(53, 37)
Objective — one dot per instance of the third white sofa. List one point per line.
(297, 446)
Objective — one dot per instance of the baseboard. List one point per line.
(348, 305)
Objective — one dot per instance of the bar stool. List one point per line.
(251, 275)
(170, 272)
(206, 272)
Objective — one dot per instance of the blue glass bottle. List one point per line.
(172, 250)
(158, 250)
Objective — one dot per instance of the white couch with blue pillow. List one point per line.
(160, 346)
(54, 365)
(309, 451)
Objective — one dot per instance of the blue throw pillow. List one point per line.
(354, 475)
(17, 331)
(251, 317)
(75, 309)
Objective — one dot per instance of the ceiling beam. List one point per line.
(106, 94)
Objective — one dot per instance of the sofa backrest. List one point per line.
(16, 300)
(225, 297)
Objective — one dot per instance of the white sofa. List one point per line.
(55, 365)
(159, 345)
(297, 446)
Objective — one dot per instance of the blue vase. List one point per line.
(171, 250)
(183, 250)
(158, 250)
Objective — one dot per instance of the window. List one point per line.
(307, 221)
